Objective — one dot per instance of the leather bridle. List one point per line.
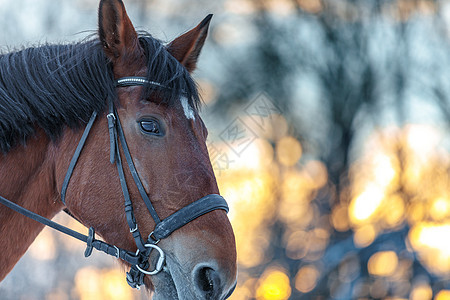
(139, 261)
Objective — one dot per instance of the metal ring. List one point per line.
(155, 241)
(159, 263)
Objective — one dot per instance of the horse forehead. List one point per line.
(188, 110)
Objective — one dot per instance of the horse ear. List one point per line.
(116, 32)
(187, 47)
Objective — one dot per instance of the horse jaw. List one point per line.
(165, 288)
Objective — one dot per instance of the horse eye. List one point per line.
(150, 127)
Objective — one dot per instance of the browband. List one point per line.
(132, 81)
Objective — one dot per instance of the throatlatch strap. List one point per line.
(75, 157)
(188, 213)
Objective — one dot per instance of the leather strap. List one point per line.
(75, 157)
(112, 132)
(90, 240)
(133, 171)
(188, 213)
(131, 220)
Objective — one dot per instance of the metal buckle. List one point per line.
(134, 229)
(159, 263)
(117, 251)
(111, 115)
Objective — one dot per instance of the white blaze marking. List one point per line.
(188, 111)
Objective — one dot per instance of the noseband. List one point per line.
(139, 261)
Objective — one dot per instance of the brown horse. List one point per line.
(48, 92)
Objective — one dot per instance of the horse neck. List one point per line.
(26, 178)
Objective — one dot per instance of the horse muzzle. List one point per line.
(207, 281)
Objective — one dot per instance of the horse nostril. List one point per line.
(205, 282)
(208, 282)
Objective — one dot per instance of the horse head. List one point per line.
(166, 140)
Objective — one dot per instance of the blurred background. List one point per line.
(329, 135)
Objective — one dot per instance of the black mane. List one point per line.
(53, 86)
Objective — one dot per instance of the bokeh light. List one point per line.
(383, 263)
(92, 283)
(289, 151)
(273, 285)
(306, 278)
